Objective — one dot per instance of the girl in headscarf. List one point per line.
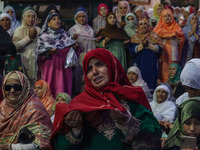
(22, 110)
(54, 43)
(6, 23)
(157, 9)
(25, 40)
(102, 108)
(123, 8)
(135, 77)
(60, 98)
(138, 12)
(43, 91)
(146, 47)
(100, 21)
(192, 34)
(187, 124)
(131, 23)
(11, 12)
(174, 76)
(190, 79)
(163, 108)
(173, 39)
(113, 39)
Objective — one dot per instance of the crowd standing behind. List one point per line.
(132, 73)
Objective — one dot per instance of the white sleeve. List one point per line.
(20, 146)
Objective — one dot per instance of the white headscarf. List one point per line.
(190, 75)
(164, 111)
(139, 82)
(11, 29)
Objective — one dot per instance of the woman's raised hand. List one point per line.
(74, 119)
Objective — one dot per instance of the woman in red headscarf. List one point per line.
(173, 39)
(110, 110)
(100, 21)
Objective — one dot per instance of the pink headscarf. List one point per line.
(102, 5)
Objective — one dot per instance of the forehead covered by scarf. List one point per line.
(190, 75)
(155, 8)
(6, 11)
(165, 12)
(51, 15)
(3, 15)
(23, 81)
(130, 14)
(115, 70)
(80, 10)
(124, 4)
(102, 5)
(26, 13)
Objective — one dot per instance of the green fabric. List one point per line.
(12, 63)
(186, 110)
(116, 47)
(65, 96)
(176, 78)
(97, 141)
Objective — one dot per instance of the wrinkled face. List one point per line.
(161, 95)
(30, 19)
(191, 91)
(172, 71)
(112, 19)
(138, 13)
(81, 18)
(97, 73)
(123, 10)
(103, 11)
(60, 100)
(13, 90)
(132, 76)
(10, 12)
(55, 23)
(159, 10)
(167, 18)
(192, 127)
(130, 18)
(38, 90)
(194, 20)
(5, 23)
(143, 26)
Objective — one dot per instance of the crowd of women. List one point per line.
(124, 82)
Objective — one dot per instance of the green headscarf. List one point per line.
(65, 96)
(188, 109)
(176, 77)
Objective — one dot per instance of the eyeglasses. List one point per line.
(17, 87)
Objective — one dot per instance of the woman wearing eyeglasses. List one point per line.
(21, 109)
(146, 47)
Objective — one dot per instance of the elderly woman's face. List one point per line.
(38, 90)
(97, 73)
(30, 19)
(55, 23)
(192, 127)
(81, 18)
(167, 18)
(143, 26)
(111, 19)
(13, 89)
(10, 12)
(103, 11)
(123, 10)
(161, 95)
(5, 23)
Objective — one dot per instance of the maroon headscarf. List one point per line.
(99, 99)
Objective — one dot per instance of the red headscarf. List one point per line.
(99, 99)
(102, 5)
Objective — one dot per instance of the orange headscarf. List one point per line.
(46, 96)
(168, 30)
